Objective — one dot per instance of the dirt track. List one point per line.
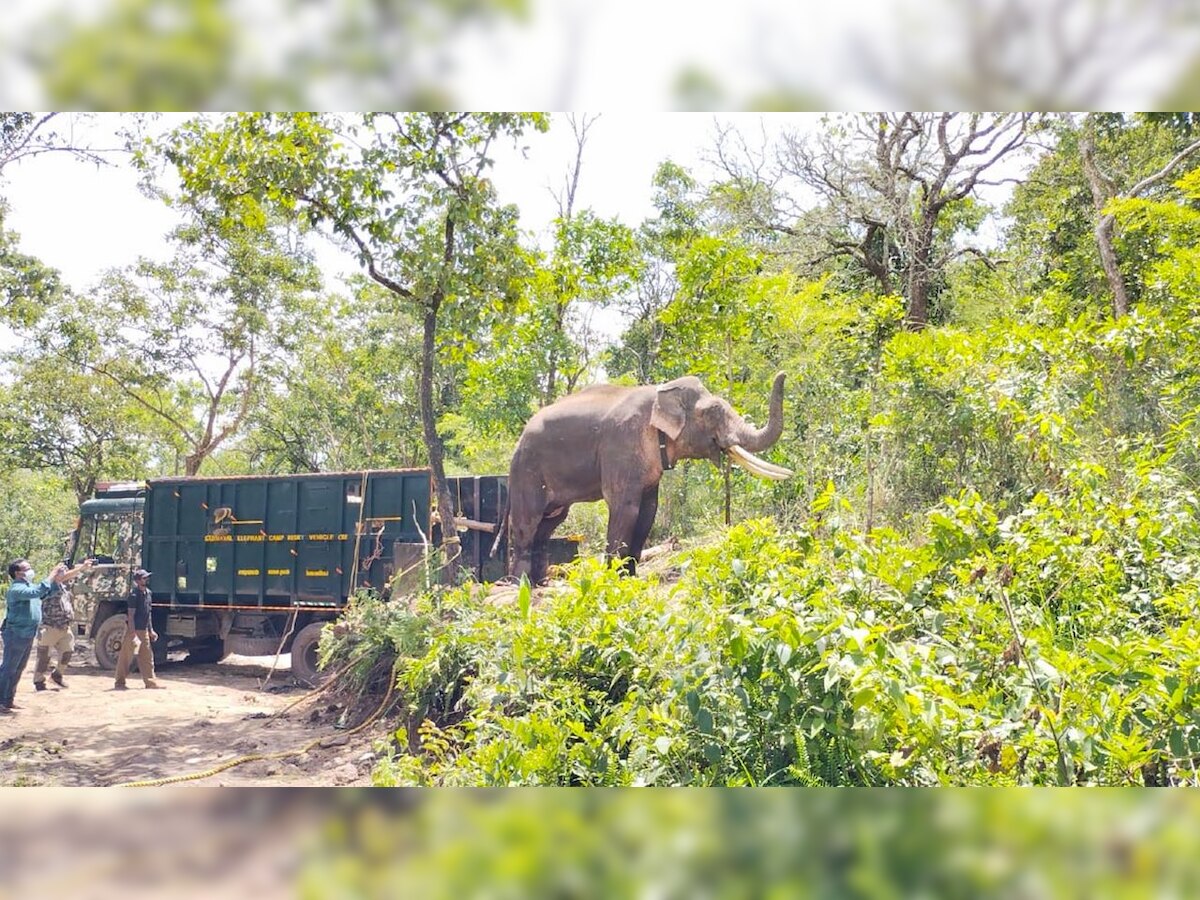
(91, 735)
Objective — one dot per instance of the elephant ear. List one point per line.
(670, 408)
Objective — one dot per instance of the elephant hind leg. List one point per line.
(540, 557)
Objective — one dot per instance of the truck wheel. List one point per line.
(304, 654)
(109, 636)
(211, 651)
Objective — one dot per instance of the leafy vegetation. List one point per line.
(986, 570)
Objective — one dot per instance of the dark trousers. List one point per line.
(16, 655)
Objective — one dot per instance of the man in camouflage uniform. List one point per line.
(55, 634)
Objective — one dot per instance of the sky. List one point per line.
(83, 219)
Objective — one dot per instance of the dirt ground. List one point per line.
(90, 735)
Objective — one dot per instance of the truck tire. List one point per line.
(109, 636)
(304, 654)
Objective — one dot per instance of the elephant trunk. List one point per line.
(758, 439)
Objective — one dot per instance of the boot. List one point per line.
(39, 669)
(57, 675)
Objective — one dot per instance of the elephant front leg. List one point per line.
(622, 523)
(645, 521)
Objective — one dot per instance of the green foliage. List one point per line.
(1053, 211)
(345, 397)
(828, 656)
(38, 512)
(180, 54)
(27, 286)
(856, 844)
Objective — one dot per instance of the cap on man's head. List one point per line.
(141, 573)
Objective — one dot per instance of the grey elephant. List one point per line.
(615, 442)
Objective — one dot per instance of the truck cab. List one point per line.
(108, 530)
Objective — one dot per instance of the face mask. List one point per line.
(30, 575)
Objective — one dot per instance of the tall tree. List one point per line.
(1062, 213)
(1029, 54)
(591, 262)
(192, 340)
(662, 239)
(69, 422)
(407, 195)
(1105, 191)
(888, 185)
(346, 397)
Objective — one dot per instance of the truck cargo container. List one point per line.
(254, 565)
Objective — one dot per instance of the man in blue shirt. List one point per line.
(23, 615)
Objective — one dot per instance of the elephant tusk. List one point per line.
(755, 466)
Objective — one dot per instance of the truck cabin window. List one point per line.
(98, 539)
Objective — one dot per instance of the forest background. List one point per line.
(984, 571)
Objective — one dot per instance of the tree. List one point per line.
(661, 240)
(206, 54)
(550, 342)
(1029, 54)
(1063, 228)
(24, 135)
(592, 261)
(346, 398)
(27, 286)
(892, 191)
(1104, 193)
(35, 517)
(68, 422)
(406, 194)
(192, 340)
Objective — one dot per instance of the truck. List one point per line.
(257, 565)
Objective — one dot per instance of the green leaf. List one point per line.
(524, 597)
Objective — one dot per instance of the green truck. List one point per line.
(255, 565)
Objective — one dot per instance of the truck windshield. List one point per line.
(98, 537)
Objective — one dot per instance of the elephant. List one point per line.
(615, 442)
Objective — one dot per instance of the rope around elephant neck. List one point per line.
(662, 452)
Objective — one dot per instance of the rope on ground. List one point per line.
(282, 754)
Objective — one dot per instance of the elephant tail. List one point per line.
(500, 530)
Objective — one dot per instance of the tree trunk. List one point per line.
(1105, 230)
(192, 463)
(433, 442)
(919, 270)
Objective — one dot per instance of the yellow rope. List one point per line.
(282, 754)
